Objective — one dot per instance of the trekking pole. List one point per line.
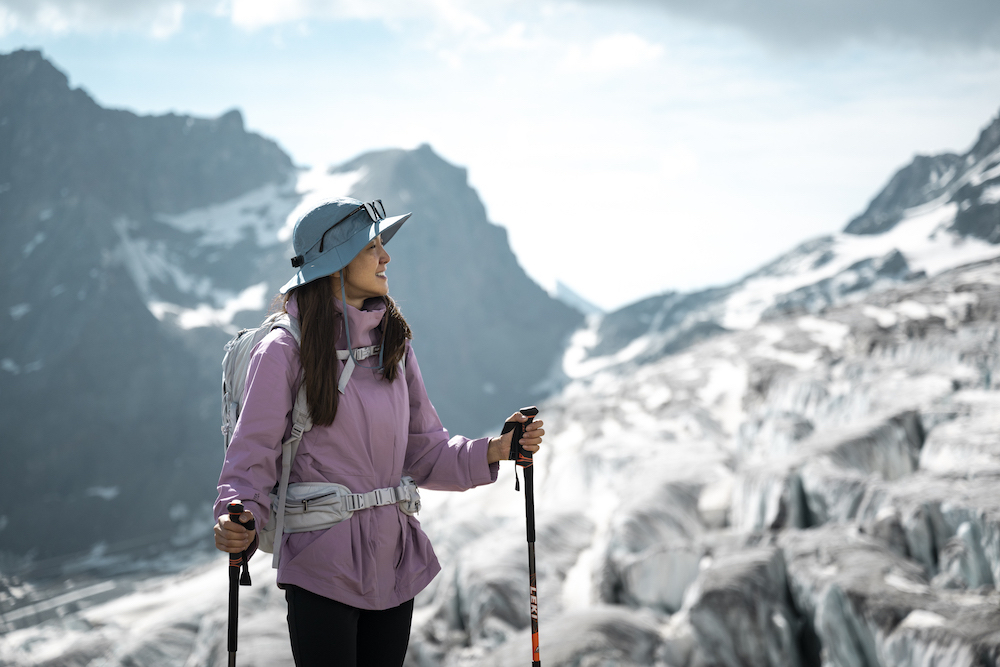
(235, 509)
(523, 459)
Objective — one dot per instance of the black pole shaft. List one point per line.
(235, 560)
(529, 514)
(234, 605)
(522, 459)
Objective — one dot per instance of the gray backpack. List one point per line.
(322, 504)
(234, 375)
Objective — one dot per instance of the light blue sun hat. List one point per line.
(327, 238)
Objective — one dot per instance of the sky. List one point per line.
(629, 147)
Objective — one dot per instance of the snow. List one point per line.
(148, 261)
(913, 310)
(990, 195)
(266, 214)
(105, 492)
(825, 332)
(317, 186)
(767, 349)
(59, 601)
(261, 212)
(977, 177)
(204, 315)
(30, 246)
(19, 311)
(901, 583)
(723, 392)
(165, 620)
(884, 318)
(922, 237)
(577, 365)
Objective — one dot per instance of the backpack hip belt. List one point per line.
(320, 505)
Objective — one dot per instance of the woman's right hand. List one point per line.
(231, 536)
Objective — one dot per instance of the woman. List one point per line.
(349, 587)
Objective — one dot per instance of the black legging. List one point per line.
(327, 633)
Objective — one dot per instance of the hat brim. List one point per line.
(339, 256)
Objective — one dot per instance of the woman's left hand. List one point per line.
(531, 440)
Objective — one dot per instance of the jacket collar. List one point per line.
(363, 322)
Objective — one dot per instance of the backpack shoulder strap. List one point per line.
(288, 323)
(301, 422)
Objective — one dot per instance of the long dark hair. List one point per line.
(321, 323)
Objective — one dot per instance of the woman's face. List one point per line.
(365, 275)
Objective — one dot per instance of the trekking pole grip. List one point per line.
(517, 453)
(236, 510)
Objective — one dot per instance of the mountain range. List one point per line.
(797, 469)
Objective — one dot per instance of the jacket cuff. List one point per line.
(480, 471)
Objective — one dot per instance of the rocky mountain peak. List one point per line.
(967, 180)
(27, 72)
(924, 179)
(988, 142)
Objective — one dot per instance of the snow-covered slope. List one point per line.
(935, 214)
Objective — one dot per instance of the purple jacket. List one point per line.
(380, 557)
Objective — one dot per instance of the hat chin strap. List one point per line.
(351, 363)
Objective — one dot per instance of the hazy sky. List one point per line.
(628, 147)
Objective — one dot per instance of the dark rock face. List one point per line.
(671, 323)
(978, 210)
(741, 611)
(917, 183)
(139, 165)
(103, 407)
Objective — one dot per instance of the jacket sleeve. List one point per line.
(432, 459)
(253, 460)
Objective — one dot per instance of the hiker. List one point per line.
(350, 586)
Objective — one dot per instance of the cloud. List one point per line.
(954, 24)
(159, 18)
(610, 54)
